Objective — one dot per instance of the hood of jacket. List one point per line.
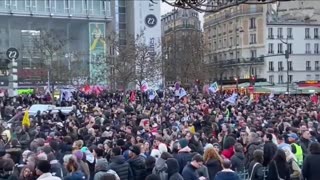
(160, 164)
(239, 155)
(173, 166)
(118, 159)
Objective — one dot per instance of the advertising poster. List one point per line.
(97, 34)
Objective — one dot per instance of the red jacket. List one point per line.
(228, 153)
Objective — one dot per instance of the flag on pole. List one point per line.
(214, 87)
(233, 98)
(144, 87)
(152, 94)
(271, 96)
(182, 93)
(26, 119)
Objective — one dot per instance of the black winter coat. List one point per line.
(237, 161)
(310, 168)
(214, 166)
(120, 166)
(269, 150)
(257, 171)
(283, 171)
(189, 173)
(183, 158)
(138, 168)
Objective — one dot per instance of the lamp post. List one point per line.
(236, 79)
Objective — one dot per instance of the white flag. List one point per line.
(152, 94)
(182, 93)
(233, 98)
(214, 87)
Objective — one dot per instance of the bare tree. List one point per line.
(185, 62)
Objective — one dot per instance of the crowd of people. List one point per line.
(197, 137)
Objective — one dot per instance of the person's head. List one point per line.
(280, 156)
(71, 165)
(211, 154)
(108, 176)
(267, 137)
(150, 162)
(101, 165)
(238, 148)
(306, 135)
(315, 148)
(197, 161)
(116, 151)
(152, 177)
(158, 140)
(258, 155)
(134, 151)
(43, 166)
(166, 155)
(253, 137)
(183, 143)
(98, 152)
(226, 164)
(292, 137)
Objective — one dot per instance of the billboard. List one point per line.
(97, 52)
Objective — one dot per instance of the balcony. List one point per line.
(226, 16)
(317, 68)
(270, 37)
(280, 69)
(238, 62)
(308, 68)
(271, 69)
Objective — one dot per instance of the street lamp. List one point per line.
(212, 5)
(236, 79)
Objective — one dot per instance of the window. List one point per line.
(280, 79)
(307, 33)
(271, 79)
(270, 48)
(253, 53)
(316, 33)
(308, 51)
(308, 67)
(66, 4)
(317, 77)
(316, 48)
(289, 33)
(280, 36)
(270, 33)
(316, 65)
(290, 48)
(290, 78)
(224, 43)
(231, 42)
(280, 48)
(280, 66)
(290, 65)
(271, 66)
(252, 23)
(308, 76)
(253, 39)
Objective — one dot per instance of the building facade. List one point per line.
(235, 42)
(79, 24)
(299, 34)
(181, 46)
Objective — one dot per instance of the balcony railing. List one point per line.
(308, 68)
(233, 14)
(185, 26)
(280, 69)
(239, 62)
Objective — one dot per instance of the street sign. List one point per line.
(12, 53)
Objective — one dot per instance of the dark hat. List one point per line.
(44, 166)
(135, 149)
(183, 143)
(153, 177)
(120, 142)
(6, 164)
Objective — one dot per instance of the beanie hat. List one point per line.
(42, 156)
(183, 143)
(78, 154)
(135, 149)
(155, 153)
(208, 146)
(120, 142)
(162, 148)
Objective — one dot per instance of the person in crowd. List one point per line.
(83, 166)
(254, 144)
(213, 162)
(161, 167)
(256, 168)
(295, 170)
(296, 148)
(269, 149)
(310, 168)
(43, 171)
(278, 167)
(102, 168)
(282, 143)
(137, 164)
(173, 169)
(152, 177)
(27, 173)
(238, 159)
(228, 149)
(227, 173)
(73, 171)
(190, 170)
(150, 164)
(119, 164)
(305, 142)
(184, 154)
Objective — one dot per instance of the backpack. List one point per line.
(162, 173)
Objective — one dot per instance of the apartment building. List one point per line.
(235, 42)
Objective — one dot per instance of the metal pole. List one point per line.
(287, 58)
